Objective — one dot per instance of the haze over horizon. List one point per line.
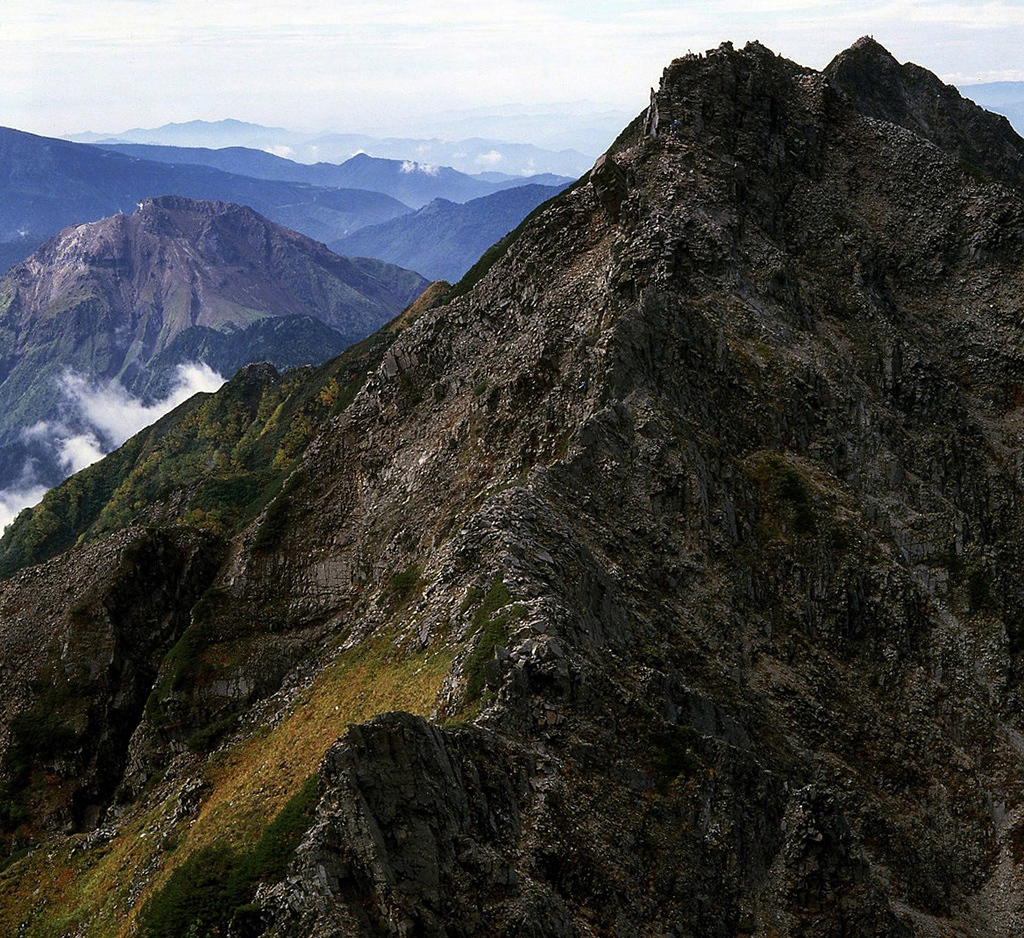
(111, 65)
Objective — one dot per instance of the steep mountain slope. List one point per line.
(686, 537)
(131, 297)
(214, 463)
(47, 184)
(443, 240)
(412, 183)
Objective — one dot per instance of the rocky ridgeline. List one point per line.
(709, 490)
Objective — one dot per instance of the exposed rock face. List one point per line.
(78, 684)
(715, 503)
(176, 263)
(752, 568)
(416, 814)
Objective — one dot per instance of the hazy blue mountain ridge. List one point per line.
(47, 184)
(443, 240)
(468, 155)
(414, 184)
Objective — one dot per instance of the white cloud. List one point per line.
(111, 416)
(74, 450)
(16, 498)
(79, 451)
(426, 169)
(490, 158)
(115, 415)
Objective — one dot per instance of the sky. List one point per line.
(68, 66)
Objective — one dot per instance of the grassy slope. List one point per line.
(249, 784)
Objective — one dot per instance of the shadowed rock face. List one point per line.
(710, 492)
(77, 686)
(914, 98)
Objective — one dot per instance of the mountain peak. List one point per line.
(693, 516)
(866, 65)
(189, 216)
(176, 281)
(868, 45)
(180, 203)
(917, 100)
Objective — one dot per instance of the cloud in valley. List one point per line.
(16, 498)
(111, 411)
(107, 416)
(79, 451)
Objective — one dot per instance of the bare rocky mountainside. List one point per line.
(131, 297)
(663, 577)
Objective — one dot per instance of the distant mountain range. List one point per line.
(1002, 97)
(589, 127)
(414, 184)
(471, 155)
(443, 239)
(197, 133)
(48, 184)
(130, 298)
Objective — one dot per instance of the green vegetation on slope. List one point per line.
(215, 885)
(239, 443)
(253, 811)
(490, 629)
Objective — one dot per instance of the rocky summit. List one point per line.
(662, 578)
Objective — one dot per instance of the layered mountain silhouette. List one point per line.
(48, 184)
(412, 183)
(467, 154)
(444, 239)
(660, 578)
(129, 298)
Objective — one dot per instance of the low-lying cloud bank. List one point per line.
(103, 416)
